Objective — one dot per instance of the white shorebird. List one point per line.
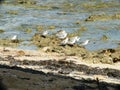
(61, 34)
(14, 38)
(84, 43)
(73, 40)
(77, 38)
(44, 33)
(64, 42)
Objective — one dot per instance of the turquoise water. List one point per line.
(61, 19)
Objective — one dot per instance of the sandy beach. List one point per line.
(25, 58)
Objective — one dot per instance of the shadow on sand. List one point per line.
(1, 1)
(2, 86)
(28, 79)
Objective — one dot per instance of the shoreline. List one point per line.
(48, 62)
(37, 55)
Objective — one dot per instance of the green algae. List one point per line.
(28, 30)
(103, 27)
(1, 31)
(8, 42)
(28, 2)
(15, 12)
(104, 38)
(39, 27)
(99, 5)
(51, 27)
(54, 44)
(51, 44)
(67, 5)
(103, 17)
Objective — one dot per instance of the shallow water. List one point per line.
(61, 19)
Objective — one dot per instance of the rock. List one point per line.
(46, 49)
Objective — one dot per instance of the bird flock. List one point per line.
(63, 36)
(65, 40)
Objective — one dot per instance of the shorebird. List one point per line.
(77, 38)
(64, 42)
(73, 40)
(61, 34)
(44, 33)
(84, 43)
(14, 38)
